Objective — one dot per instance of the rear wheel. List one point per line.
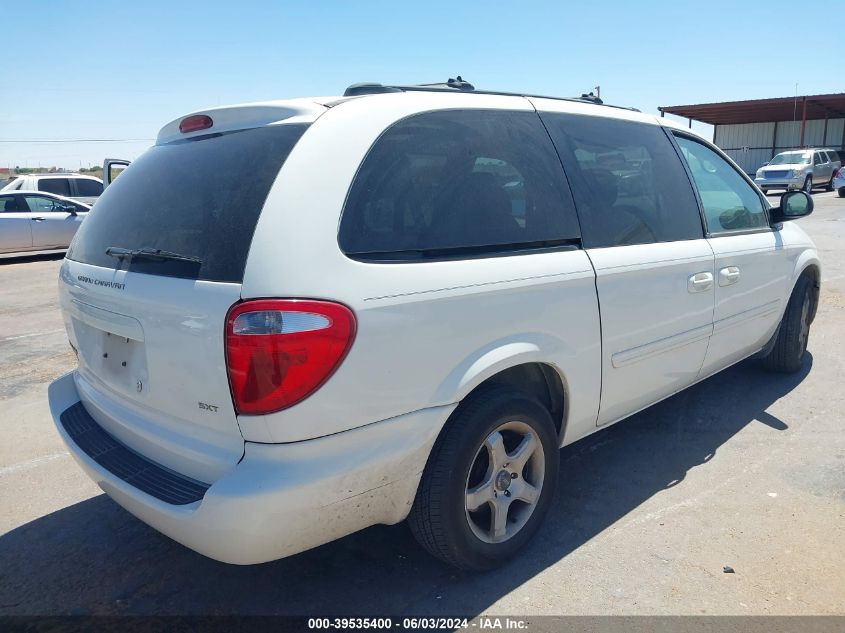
(841, 192)
(489, 481)
(829, 185)
(808, 184)
(787, 355)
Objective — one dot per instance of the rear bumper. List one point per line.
(281, 499)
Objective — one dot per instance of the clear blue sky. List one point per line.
(75, 71)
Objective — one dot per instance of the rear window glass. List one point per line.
(88, 188)
(59, 186)
(10, 204)
(448, 183)
(199, 198)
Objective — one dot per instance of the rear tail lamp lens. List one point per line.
(279, 352)
(195, 123)
(837, 173)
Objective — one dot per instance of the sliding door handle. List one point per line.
(728, 276)
(700, 282)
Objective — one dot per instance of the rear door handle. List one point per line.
(38, 219)
(728, 276)
(700, 282)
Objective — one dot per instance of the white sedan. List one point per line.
(38, 221)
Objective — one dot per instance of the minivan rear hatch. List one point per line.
(148, 282)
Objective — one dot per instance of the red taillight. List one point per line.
(837, 173)
(195, 122)
(280, 351)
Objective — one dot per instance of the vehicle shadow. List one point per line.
(6, 260)
(94, 558)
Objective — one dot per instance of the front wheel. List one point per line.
(808, 185)
(489, 481)
(787, 355)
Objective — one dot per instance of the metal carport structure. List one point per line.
(752, 131)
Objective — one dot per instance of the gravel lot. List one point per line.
(746, 469)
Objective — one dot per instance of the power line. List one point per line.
(77, 140)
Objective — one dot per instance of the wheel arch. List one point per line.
(811, 270)
(518, 364)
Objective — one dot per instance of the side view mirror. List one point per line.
(793, 205)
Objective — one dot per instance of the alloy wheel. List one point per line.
(504, 482)
(804, 332)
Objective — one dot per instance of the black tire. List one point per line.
(787, 355)
(841, 192)
(829, 186)
(439, 519)
(808, 185)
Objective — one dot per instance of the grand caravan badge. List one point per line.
(101, 282)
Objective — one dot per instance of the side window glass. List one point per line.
(9, 204)
(817, 158)
(40, 204)
(88, 188)
(629, 185)
(730, 203)
(484, 180)
(59, 186)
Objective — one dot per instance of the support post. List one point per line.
(824, 134)
(803, 121)
(774, 138)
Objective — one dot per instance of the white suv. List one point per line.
(333, 313)
(83, 188)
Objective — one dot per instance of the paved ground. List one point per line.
(746, 469)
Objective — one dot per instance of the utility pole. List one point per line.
(598, 91)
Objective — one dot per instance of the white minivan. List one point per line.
(398, 304)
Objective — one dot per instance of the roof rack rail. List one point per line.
(458, 84)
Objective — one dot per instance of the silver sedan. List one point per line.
(38, 221)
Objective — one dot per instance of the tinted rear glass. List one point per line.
(441, 184)
(200, 198)
(59, 186)
(88, 188)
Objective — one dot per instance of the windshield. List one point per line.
(791, 158)
(198, 199)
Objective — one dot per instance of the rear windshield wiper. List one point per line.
(151, 254)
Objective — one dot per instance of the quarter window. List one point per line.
(59, 186)
(629, 186)
(730, 202)
(441, 183)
